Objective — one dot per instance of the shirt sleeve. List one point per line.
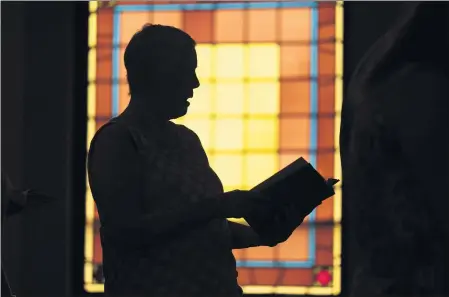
(115, 177)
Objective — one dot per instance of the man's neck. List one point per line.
(143, 113)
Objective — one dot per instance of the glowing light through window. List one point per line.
(270, 72)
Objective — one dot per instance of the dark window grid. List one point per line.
(106, 4)
(245, 116)
(245, 25)
(321, 41)
(280, 151)
(215, 3)
(318, 223)
(263, 151)
(323, 80)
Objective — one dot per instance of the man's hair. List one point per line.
(154, 52)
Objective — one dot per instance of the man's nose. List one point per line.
(196, 83)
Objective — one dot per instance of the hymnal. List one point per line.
(298, 187)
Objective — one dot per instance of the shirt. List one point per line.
(160, 175)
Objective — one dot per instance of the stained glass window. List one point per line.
(271, 87)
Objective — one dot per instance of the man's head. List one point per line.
(160, 63)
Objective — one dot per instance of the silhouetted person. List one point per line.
(13, 202)
(161, 206)
(395, 149)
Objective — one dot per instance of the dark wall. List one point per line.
(364, 23)
(43, 131)
(42, 99)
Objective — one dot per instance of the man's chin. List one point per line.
(179, 113)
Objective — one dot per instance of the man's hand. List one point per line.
(278, 226)
(239, 204)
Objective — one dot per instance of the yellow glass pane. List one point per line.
(263, 61)
(262, 134)
(131, 22)
(228, 134)
(229, 169)
(259, 167)
(263, 98)
(201, 102)
(204, 53)
(203, 128)
(295, 24)
(168, 18)
(228, 26)
(229, 61)
(179, 121)
(230, 98)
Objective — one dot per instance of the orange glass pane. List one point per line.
(123, 96)
(326, 93)
(326, 210)
(295, 24)
(295, 60)
(262, 25)
(168, 18)
(98, 254)
(326, 134)
(286, 159)
(296, 248)
(199, 25)
(295, 97)
(131, 22)
(327, 33)
(103, 99)
(104, 64)
(100, 123)
(326, 11)
(295, 133)
(327, 60)
(228, 26)
(122, 69)
(137, 2)
(104, 28)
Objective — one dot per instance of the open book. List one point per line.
(298, 187)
